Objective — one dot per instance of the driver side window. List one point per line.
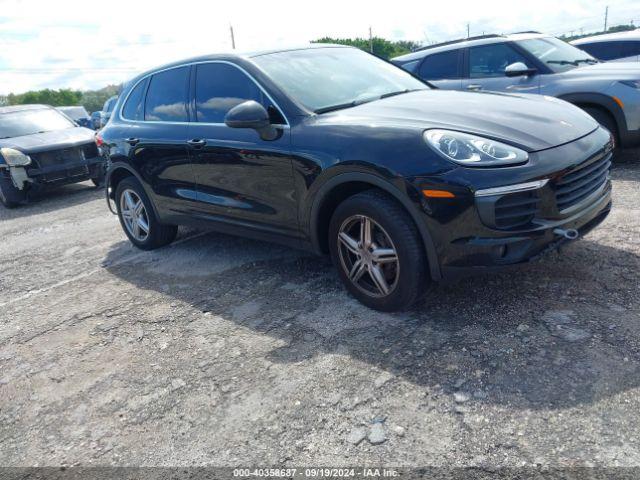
(220, 87)
(491, 60)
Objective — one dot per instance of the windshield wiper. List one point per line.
(400, 92)
(354, 103)
(341, 106)
(573, 62)
(562, 62)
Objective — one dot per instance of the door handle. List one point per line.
(197, 143)
(474, 86)
(132, 141)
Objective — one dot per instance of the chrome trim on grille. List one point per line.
(520, 187)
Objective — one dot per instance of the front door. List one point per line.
(486, 70)
(240, 178)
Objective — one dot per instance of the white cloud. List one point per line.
(73, 43)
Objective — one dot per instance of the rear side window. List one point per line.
(491, 60)
(612, 50)
(441, 66)
(134, 108)
(167, 96)
(219, 88)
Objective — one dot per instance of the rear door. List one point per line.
(444, 69)
(241, 179)
(158, 137)
(485, 69)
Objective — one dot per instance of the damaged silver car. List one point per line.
(40, 147)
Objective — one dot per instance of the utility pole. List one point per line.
(467, 29)
(606, 17)
(233, 40)
(370, 40)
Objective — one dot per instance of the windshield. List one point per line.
(74, 112)
(556, 54)
(324, 79)
(28, 122)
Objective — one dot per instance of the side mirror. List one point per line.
(518, 69)
(251, 114)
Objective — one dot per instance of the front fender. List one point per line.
(323, 190)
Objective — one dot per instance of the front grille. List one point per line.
(58, 157)
(577, 185)
(516, 209)
(65, 155)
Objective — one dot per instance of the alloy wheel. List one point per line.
(368, 256)
(134, 215)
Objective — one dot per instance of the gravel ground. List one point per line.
(230, 352)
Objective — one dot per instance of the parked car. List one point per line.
(107, 109)
(331, 149)
(40, 147)
(537, 63)
(612, 47)
(78, 114)
(96, 120)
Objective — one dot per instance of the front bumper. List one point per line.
(484, 229)
(481, 255)
(67, 172)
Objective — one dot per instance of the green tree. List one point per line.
(93, 100)
(47, 96)
(381, 47)
(612, 29)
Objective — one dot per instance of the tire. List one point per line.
(157, 234)
(607, 121)
(10, 196)
(392, 230)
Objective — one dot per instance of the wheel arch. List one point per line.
(118, 172)
(344, 185)
(603, 102)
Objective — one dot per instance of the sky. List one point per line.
(87, 45)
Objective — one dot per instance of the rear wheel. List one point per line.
(138, 218)
(378, 252)
(10, 196)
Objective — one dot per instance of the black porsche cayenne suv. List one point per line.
(331, 149)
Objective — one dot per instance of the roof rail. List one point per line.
(459, 40)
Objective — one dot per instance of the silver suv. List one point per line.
(532, 62)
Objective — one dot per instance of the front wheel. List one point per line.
(138, 218)
(378, 251)
(10, 196)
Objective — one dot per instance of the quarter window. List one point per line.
(167, 96)
(441, 66)
(133, 109)
(219, 88)
(491, 60)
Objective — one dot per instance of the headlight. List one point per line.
(631, 83)
(15, 158)
(473, 151)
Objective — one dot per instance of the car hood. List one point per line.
(57, 139)
(532, 122)
(605, 71)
